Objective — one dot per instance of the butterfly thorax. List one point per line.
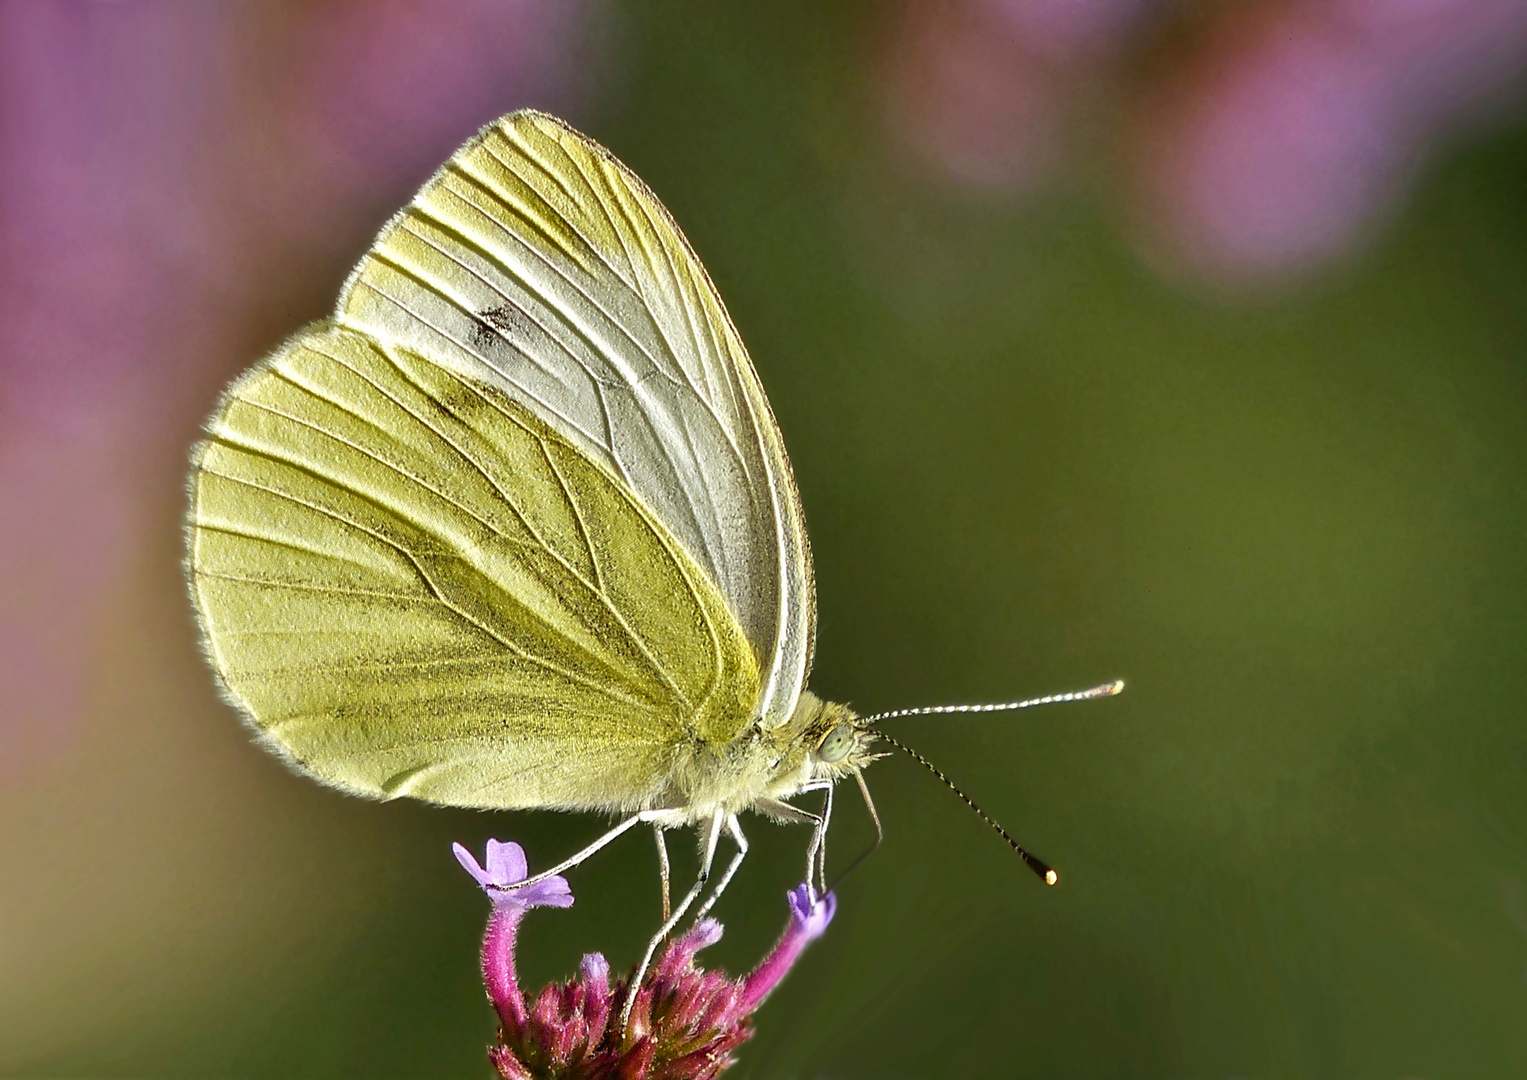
(762, 766)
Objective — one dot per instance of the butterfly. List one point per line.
(515, 528)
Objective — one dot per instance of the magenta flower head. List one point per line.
(685, 1022)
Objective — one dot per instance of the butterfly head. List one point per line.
(833, 741)
(821, 741)
(840, 743)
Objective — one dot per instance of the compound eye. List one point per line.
(839, 741)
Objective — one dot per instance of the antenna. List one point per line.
(1107, 689)
(1046, 873)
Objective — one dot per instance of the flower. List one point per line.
(809, 916)
(684, 1023)
(506, 868)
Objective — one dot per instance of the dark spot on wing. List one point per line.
(499, 322)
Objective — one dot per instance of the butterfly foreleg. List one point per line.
(662, 865)
(709, 839)
(734, 827)
(816, 851)
(789, 814)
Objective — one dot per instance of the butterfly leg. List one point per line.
(816, 851)
(662, 865)
(789, 814)
(818, 847)
(734, 827)
(572, 861)
(710, 838)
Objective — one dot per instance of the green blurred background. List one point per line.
(1050, 427)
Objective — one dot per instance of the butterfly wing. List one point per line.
(414, 585)
(536, 263)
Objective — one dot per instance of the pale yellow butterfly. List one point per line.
(515, 527)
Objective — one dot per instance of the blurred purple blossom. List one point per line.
(685, 1022)
(1067, 29)
(1264, 141)
(957, 100)
(1299, 127)
(150, 247)
(982, 89)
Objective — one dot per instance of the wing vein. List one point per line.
(608, 604)
(308, 586)
(532, 157)
(398, 510)
(683, 302)
(513, 207)
(471, 245)
(275, 541)
(403, 306)
(572, 503)
(461, 613)
(611, 355)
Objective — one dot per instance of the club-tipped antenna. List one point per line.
(1043, 869)
(1107, 689)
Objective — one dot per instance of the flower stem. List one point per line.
(498, 967)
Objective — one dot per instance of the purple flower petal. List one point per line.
(506, 862)
(553, 892)
(595, 969)
(595, 973)
(468, 863)
(811, 914)
(705, 933)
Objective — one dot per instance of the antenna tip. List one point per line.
(1042, 870)
(1110, 689)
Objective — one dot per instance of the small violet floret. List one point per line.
(810, 912)
(809, 916)
(507, 868)
(685, 1022)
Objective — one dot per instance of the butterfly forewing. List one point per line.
(534, 262)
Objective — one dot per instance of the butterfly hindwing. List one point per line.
(413, 585)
